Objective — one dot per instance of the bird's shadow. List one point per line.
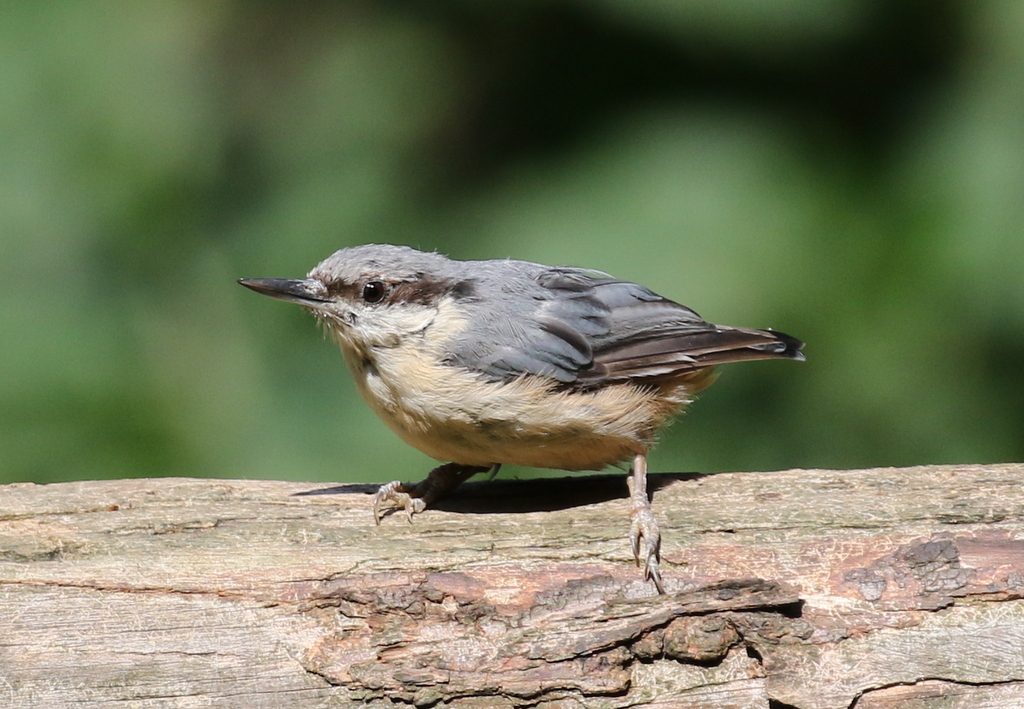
(536, 495)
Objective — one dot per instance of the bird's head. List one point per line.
(370, 296)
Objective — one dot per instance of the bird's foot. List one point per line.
(402, 495)
(416, 497)
(643, 530)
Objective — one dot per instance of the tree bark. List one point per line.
(814, 589)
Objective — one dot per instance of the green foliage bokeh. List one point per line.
(849, 171)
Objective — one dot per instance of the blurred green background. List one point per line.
(848, 171)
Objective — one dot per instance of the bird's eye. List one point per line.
(374, 291)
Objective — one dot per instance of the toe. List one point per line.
(635, 536)
(388, 492)
(413, 506)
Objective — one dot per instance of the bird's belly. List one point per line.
(452, 414)
(580, 451)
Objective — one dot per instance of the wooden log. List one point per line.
(814, 589)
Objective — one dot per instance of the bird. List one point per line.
(480, 364)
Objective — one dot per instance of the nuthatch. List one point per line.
(482, 363)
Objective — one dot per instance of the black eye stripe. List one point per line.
(374, 291)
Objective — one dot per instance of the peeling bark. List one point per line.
(812, 589)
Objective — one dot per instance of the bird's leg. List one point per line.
(415, 497)
(644, 526)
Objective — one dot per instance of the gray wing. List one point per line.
(587, 329)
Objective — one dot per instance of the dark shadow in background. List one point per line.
(537, 495)
(545, 75)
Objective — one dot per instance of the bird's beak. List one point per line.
(306, 291)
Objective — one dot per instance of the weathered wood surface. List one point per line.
(814, 589)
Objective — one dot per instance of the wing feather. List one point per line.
(587, 329)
